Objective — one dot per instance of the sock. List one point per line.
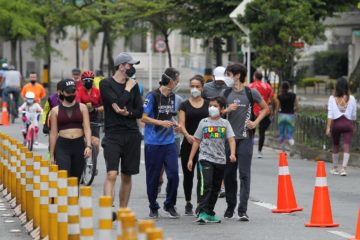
(335, 158)
(346, 159)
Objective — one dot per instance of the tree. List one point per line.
(275, 25)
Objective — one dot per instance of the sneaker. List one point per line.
(343, 172)
(291, 142)
(334, 171)
(171, 212)
(229, 213)
(36, 143)
(243, 217)
(222, 193)
(202, 218)
(114, 216)
(154, 213)
(189, 209)
(260, 155)
(213, 219)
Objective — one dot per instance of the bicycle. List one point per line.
(90, 169)
(31, 133)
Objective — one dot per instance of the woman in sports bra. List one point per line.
(69, 123)
(341, 120)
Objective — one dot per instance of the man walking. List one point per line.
(122, 141)
(240, 100)
(214, 88)
(267, 94)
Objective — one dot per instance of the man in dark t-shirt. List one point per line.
(122, 141)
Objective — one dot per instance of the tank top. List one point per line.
(69, 117)
(287, 102)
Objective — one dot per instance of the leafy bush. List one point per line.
(331, 63)
(310, 82)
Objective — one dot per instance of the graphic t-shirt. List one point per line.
(213, 134)
(238, 117)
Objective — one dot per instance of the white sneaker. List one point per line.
(260, 155)
(291, 142)
(334, 171)
(343, 172)
(36, 143)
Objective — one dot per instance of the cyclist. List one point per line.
(30, 111)
(90, 96)
(99, 75)
(34, 87)
(12, 83)
(4, 69)
(76, 72)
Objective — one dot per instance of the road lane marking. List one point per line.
(265, 205)
(342, 234)
(40, 146)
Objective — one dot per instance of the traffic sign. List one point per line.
(160, 45)
(298, 44)
(84, 45)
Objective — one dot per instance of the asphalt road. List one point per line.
(264, 224)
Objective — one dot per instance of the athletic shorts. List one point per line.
(95, 131)
(122, 150)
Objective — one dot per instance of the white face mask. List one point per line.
(214, 111)
(229, 81)
(195, 92)
(176, 88)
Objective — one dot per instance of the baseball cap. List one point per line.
(219, 73)
(76, 71)
(124, 57)
(69, 86)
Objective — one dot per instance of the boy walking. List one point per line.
(210, 136)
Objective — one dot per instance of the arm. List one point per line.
(232, 145)
(109, 96)
(86, 124)
(138, 107)
(188, 137)
(194, 148)
(263, 112)
(329, 119)
(148, 120)
(53, 133)
(42, 93)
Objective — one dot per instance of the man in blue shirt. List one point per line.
(160, 147)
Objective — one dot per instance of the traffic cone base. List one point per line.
(287, 210)
(322, 225)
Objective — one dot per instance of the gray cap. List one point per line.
(124, 58)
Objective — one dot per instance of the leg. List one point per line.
(153, 165)
(62, 155)
(188, 176)
(78, 161)
(172, 173)
(125, 190)
(218, 172)
(230, 180)
(96, 142)
(16, 93)
(281, 125)
(335, 148)
(244, 153)
(264, 124)
(206, 173)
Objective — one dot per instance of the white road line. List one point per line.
(265, 205)
(41, 146)
(342, 234)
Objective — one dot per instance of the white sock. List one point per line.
(335, 158)
(346, 159)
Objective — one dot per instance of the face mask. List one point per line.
(229, 82)
(29, 101)
(195, 92)
(88, 84)
(69, 98)
(33, 82)
(130, 72)
(176, 88)
(214, 111)
(61, 97)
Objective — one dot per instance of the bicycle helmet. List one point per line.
(5, 66)
(30, 97)
(87, 74)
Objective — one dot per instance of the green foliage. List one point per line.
(310, 82)
(331, 63)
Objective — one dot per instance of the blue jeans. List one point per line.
(157, 156)
(15, 91)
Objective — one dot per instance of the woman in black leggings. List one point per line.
(191, 112)
(69, 124)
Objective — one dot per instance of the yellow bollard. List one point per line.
(23, 187)
(36, 191)
(13, 174)
(154, 234)
(129, 226)
(29, 187)
(6, 171)
(73, 209)
(44, 198)
(18, 174)
(1, 164)
(105, 217)
(62, 206)
(143, 225)
(86, 221)
(53, 193)
(119, 214)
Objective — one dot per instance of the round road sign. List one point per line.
(160, 45)
(84, 45)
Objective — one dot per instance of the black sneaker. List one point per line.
(171, 212)
(243, 217)
(189, 209)
(154, 213)
(114, 216)
(229, 213)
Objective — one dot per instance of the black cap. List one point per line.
(69, 86)
(76, 71)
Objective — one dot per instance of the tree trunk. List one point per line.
(101, 65)
(47, 40)
(20, 58)
(13, 44)
(168, 48)
(218, 51)
(111, 69)
(77, 39)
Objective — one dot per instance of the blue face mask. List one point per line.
(29, 101)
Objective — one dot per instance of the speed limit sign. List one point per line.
(160, 45)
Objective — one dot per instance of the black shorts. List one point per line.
(126, 147)
(95, 131)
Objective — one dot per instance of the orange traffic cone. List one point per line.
(321, 215)
(357, 236)
(4, 115)
(286, 201)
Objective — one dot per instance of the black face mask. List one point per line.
(130, 72)
(61, 97)
(88, 84)
(70, 98)
(33, 82)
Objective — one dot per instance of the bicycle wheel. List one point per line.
(31, 140)
(11, 110)
(90, 168)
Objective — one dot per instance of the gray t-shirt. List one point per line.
(12, 78)
(213, 134)
(211, 90)
(239, 117)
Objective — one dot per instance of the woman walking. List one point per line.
(287, 107)
(191, 112)
(341, 122)
(69, 124)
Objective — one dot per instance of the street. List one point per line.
(344, 193)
